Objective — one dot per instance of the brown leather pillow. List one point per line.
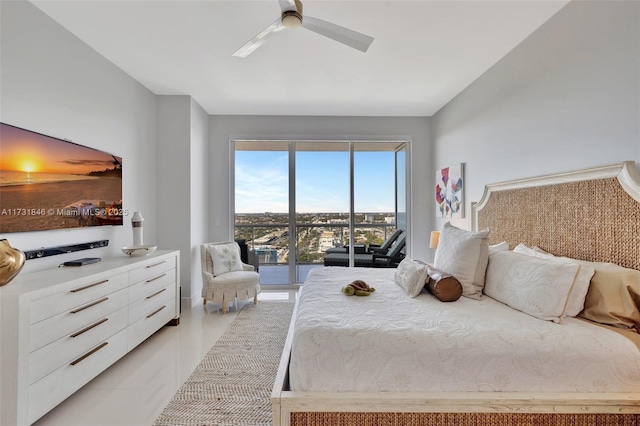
(445, 287)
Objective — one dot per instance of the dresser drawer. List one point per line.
(140, 330)
(150, 285)
(148, 304)
(151, 269)
(62, 327)
(47, 392)
(66, 323)
(66, 349)
(78, 295)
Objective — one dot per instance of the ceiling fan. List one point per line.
(292, 18)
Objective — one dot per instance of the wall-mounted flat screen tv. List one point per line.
(50, 183)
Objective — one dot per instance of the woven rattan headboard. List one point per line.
(591, 214)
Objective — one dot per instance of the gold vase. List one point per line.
(11, 262)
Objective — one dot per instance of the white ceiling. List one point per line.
(424, 53)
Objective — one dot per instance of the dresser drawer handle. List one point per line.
(155, 294)
(75, 311)
(156, 264)
(89, 286)
(156, 278)
(88, 354)
(156, 311)
(77, 333)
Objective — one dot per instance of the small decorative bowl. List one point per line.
(138, 250)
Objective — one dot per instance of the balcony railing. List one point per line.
(270, 243)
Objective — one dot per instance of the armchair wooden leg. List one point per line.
(255, 299)
(204, 301)
(224, 307)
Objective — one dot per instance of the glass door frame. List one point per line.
(292, 272)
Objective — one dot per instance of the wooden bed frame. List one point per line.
(591, 214)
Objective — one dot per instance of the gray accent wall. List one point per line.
(567, 97)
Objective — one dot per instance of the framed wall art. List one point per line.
(449, 192)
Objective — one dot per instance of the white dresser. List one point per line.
(60, 328)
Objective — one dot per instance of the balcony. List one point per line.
(271, 245)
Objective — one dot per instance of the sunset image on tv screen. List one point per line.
(49, 183)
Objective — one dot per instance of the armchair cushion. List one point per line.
(225, 257)
(237, 279)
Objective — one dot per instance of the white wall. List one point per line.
(173, 197)
(225, 128)
(183, 137)
(53, 83)
(568, 97)
(200, 189)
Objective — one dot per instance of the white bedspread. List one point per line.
(390, 342)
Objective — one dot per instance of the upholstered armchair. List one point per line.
(224, 277)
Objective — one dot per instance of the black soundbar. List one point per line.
(52, 251)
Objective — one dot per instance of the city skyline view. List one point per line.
(322, 182)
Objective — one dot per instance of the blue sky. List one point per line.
(322, 182)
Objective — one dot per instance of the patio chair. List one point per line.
(225, 277)
(373, 248)
(342, 259)
(393, 257)
(371, 260)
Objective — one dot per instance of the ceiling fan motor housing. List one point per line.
(291, 19)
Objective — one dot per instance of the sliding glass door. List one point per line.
(321, 201)
(294, 200)
(374, 196)
(261, 176)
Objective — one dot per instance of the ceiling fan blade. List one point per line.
(336, 32)
(287, 5)
(259, 39)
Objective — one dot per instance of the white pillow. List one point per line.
(225, 257)
(526, 250)
(464, 254)
(539, 250)
(538, 287)
(503, 246)
(575, 303)
(411, 276)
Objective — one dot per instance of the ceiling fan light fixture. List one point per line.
(291, 19)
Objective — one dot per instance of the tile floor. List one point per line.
(135, 390)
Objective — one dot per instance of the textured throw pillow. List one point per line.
(614, 296)
(575, 303)
(538, 287)
(411, 276)
(225, 257)
(464, 254)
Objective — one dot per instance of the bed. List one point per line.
(459, 368)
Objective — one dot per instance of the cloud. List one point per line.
(74, 162)
(262, 182)
(262, 187)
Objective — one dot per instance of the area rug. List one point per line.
(232, 385)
